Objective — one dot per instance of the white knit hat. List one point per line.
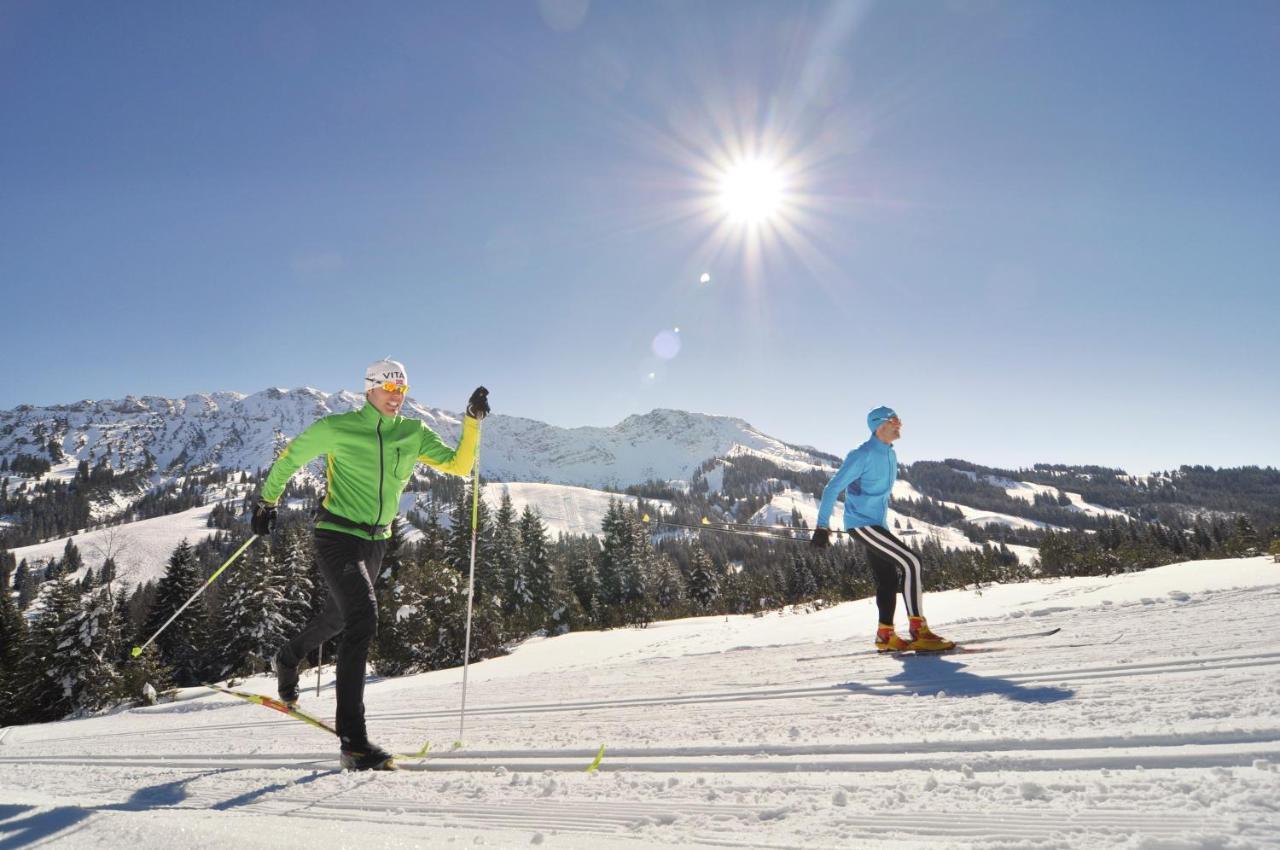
(384, 371)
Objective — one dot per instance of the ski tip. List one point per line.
(595, 764)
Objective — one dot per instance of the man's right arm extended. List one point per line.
(311, 443)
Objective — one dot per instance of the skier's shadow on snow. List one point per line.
(17, 831)
(930, 675)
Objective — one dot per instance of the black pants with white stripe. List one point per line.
(895, 566)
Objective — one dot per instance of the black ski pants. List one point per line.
(349, 565)
(895, 567)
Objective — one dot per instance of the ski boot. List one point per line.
(366, 756)
(924, 640)
(887, 640)
(286, 681)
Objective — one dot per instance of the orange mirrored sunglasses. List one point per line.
(395, 388)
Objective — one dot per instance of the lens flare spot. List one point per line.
(666, 344)
(706, 278)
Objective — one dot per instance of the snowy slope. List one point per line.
(773, 731)
(564, 509)
(906, 491)
(141, 549)
(1027, 492)
(909, 529)
(567, 510)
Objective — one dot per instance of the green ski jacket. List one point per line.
(369, 459)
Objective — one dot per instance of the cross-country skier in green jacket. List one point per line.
(370, 455)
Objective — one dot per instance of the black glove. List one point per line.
(264, 518)
(821, 538)
(478, 404)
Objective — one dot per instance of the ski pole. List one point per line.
(319, 664)
(137, 650)
(471, 579)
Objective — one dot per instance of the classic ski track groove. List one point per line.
(587, 816)
(1157, 752)
(878, 684)
(1219, 738)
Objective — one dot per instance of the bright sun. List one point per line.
(752, 190)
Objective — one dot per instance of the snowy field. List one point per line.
(1149, 722)
(141, 549)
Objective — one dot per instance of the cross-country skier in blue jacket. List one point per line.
(866, 479)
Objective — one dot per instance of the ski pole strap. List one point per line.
(323, 514)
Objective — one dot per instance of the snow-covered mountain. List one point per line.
(236, 431)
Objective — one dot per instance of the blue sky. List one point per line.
(1041, 231)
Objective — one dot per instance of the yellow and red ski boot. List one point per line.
(887, 640)
(924, 640)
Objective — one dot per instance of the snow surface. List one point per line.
(1147, 723)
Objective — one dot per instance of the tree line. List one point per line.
(66, 632)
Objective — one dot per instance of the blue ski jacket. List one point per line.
(866, 477)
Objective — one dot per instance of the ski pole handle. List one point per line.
(137, 650)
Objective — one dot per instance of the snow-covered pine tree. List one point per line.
(580, 576)
(637, 571)
(422, 621)
(458, 547)
(704, 582)
(71, 559)
(1245, 541)
(508, 563)
(65, 669)
(432, 545)
(611, 563)
(13, 640)
(538, 571)
(250, 620)
(184, 644)
(801, 583)
(667, 589)
(294, 578)
(108, 572)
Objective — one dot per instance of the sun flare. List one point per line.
(752, 191)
